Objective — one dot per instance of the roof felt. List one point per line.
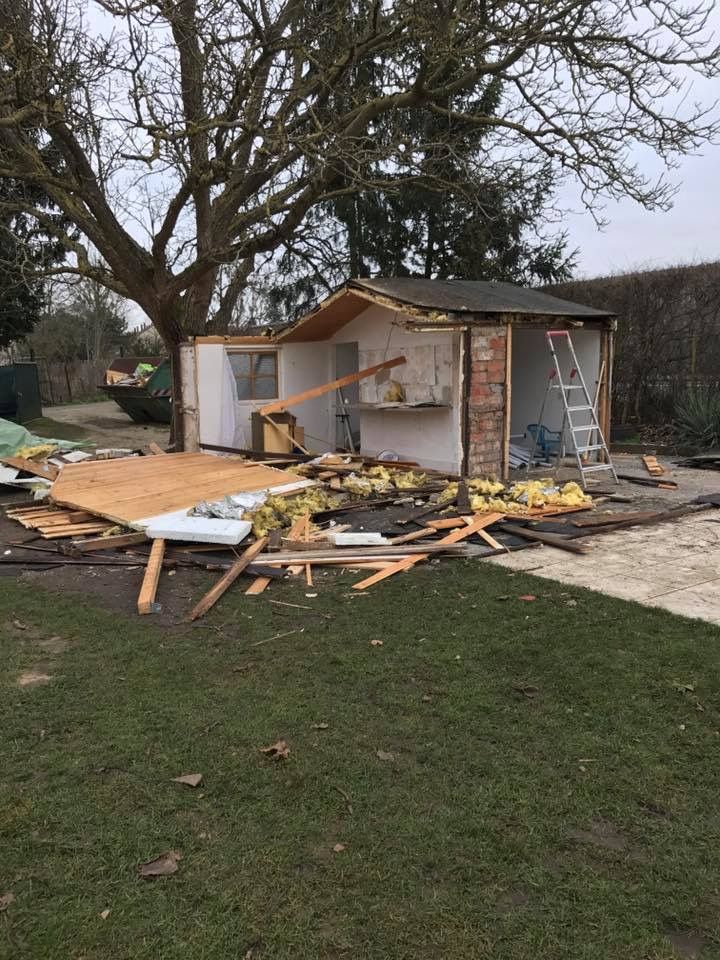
(474, 296)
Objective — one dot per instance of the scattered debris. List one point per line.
(339, 847)
(277, 751)
(320, 726)
(33, 678)
(341, 512)
(528, 690)
(5, 900)
(376, 643)
(384, 755)
(652, 466)
(346, 798)
(19, 625)
(189, 779)
(104, 914)
(162, 866)
(528, 597)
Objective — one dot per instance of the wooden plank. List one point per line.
(415, 535)
(652, 466)
(279, 405)
(550, 539)
(356, 553)
(59, 518)
(61, 533)
(109, 543)
(612, 518)
(46, 470)
(135, 488)
(635, 520)
(148, 590)
(448, 523)
(155, 449)
(659, 482)
(258, 585)
(455, 537)
(491, 541)
(231, 575)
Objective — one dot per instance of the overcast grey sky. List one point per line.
(634, 237)
(689, 233)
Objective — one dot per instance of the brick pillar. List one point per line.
(486, 402)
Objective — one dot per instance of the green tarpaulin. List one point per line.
(13, 437)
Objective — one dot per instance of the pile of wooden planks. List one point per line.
(53, 524)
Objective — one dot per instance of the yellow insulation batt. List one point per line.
(381, 480)
(279, 512)
(486, 494)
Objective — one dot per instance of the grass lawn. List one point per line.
(573, 819)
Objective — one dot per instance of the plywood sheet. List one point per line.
(134, 488)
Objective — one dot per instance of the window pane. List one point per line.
(264, 364)
(243, 388)
(240, 363)
(265, 388)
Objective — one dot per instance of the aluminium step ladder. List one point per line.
(585, 409)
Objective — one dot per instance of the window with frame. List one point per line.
(256, 374)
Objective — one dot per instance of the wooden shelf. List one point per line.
(395, 407)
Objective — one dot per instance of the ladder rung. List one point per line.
(587, 426)
(597, 466)
(592, 446)
(578, 409)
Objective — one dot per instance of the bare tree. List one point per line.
(179, 136)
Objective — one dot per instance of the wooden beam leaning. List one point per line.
(278, 405)
(148, 590)
(230, 576)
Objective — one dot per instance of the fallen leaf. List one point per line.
(570, 603)
(104, 914)
(376, 643)
(189, 779)
(683, 687)
(277, 751)
(426, 698)
(384, 755)
(5, 900)
(162, 866)
(339, 847)
(526, 689)
(527, 597)
(320, 726)
(19, 625)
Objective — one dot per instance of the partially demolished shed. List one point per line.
(475, 371)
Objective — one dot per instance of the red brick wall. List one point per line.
(486, 402)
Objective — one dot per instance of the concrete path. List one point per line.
(674, 565)
(108, 425)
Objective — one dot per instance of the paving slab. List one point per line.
(674, 566)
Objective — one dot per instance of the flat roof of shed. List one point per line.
(436, 300)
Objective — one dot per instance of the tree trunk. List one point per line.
(169, 324)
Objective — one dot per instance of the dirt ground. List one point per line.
(108, 426)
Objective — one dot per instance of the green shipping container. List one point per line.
(153, 402)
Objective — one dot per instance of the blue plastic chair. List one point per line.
(547, 441)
